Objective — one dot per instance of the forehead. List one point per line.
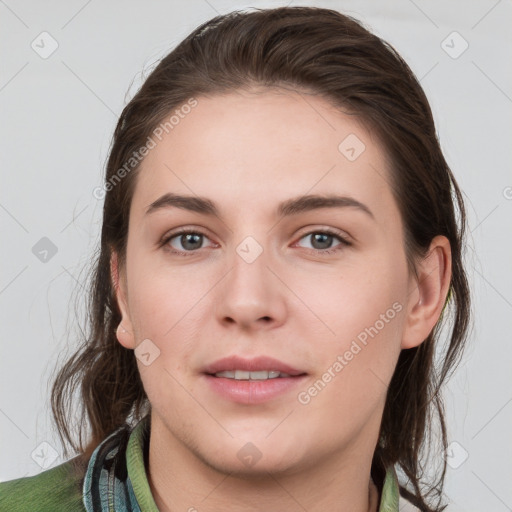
(253, 149)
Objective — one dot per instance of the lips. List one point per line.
(257, 364)
(250, 391)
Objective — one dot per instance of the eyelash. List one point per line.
(343, 241)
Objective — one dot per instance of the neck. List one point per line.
(181, 480)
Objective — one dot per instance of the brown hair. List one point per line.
(333, 56)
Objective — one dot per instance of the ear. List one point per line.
(427, 293)
(125, 328)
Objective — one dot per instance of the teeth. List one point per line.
(244, 375)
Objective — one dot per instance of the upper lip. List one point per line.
(251, 365)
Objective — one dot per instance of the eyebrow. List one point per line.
(287, 208)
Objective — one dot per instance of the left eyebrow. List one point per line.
(287, 208)
(314, 202)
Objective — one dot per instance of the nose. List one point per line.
(251, 295)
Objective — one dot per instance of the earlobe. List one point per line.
(125, 337)
(427, 295)
(124, 330)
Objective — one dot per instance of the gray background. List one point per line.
(58, 114)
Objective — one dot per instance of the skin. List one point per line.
(247, 152)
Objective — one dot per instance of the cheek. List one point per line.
(355, 366)
(348, 303)
(169, 312)
(164, 301)
(361, 315)
(166, 309)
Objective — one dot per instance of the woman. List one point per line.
(279, 244)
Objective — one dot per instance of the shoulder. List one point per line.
(54, 490)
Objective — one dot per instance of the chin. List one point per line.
(260, 470)
(253, 459)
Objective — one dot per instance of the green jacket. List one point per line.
(114, 479)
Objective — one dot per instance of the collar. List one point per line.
(116, 480)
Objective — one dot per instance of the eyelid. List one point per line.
(328, 230)
(164, 241)
(344, 239)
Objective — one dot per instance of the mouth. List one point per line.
(252, 381)
(257, 368)
(246, 375)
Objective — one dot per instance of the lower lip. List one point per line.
(253, 391)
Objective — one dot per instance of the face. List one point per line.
(322, 288)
